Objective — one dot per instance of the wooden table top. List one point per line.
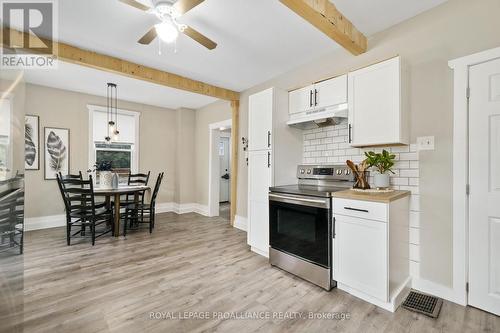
(376, 197)
(124, 189)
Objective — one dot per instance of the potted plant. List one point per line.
(383, 162)
(105, 175)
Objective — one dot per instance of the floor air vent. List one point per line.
(422, 303)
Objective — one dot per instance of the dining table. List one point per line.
(116, 193)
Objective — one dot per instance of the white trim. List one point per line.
(213, 166)
(177, 208)
(260, 252)
(461, 67)
(436, 289)
(135, 155)
(44, 222)
(54, 221)
(240, 222)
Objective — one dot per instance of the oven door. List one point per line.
(300, 226)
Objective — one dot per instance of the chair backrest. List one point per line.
(79, 196)
(138, 178)
(70, 176)
(156, 189)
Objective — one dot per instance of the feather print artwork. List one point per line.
(29, 145)
(56, 151)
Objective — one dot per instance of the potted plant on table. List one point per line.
(105, 175)
(383, 162)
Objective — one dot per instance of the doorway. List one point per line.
(219, 178)
(484, 180)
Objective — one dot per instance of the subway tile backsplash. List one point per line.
(328, 145)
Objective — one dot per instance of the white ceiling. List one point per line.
(92, 81)
(257, 39)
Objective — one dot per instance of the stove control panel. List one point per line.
(327, 172)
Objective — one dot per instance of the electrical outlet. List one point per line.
(425, 143)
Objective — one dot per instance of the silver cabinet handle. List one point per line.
(268, 159)
(268, 139)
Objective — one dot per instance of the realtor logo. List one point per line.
(28, 34)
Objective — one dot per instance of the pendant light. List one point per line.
(112, 113)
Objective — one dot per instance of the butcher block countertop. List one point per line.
(384, 197)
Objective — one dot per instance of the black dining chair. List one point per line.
(140, 213)
(138, 179)
(12, 221)
(82, 210)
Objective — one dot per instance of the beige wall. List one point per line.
(185, 157)
(65, 109)
(213, 113)
(426, 42)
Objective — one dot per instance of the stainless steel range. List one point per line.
(301, 226)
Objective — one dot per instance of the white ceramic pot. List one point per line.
(105, 179)
(381, 180)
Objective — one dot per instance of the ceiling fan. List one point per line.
(168, 11)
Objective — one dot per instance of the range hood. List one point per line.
(332, 115)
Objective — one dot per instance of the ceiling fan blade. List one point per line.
(135, 4)
(203, 40)
(183, 6)
(148, 37)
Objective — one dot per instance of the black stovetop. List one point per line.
(310, 190)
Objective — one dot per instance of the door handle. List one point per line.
(356, 209)
(268, 139)
(310, 98)
(315, 97)
(268, 159)
(350, 135)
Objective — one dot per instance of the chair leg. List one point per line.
(125, 223)
(92, 229)
(68, 233)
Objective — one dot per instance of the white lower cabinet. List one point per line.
(371, 250)
(259, 181)
(361, 256)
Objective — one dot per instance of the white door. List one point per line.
(484, 220)
(259, 181)
(225, 173)
(331, 92)
(301, 100)
(260, 120)
(374, 104)
(361, 255)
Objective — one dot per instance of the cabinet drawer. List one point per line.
(363, 209)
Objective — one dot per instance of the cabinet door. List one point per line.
(361, 255)
(300, 100)
(375, 104)
(259, 181)
(331, 92)
(260, 120)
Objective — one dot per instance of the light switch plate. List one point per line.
(425, 143)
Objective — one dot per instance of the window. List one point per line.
(122, 153)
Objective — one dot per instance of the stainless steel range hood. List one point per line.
(319, 118)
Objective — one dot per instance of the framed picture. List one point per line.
(56, 146)
(31, 142)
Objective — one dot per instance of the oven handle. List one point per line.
(322, 203)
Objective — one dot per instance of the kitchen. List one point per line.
(316, 229)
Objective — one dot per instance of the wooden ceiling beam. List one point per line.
(324, 16)
(75, 55)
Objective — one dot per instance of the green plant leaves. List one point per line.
(383, 162)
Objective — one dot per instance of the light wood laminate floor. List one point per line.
(194, 264)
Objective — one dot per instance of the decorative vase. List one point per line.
(105, 179)
(115, 181)
(381, 180)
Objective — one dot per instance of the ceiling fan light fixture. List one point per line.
(167, 31)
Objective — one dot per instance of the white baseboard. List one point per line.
(240, 222)
(174, 207)
(259, 251)
(438, 290)
(44, 222)
(54, 221)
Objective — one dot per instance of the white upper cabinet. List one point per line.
(318, 96)
(260, 118)
(331, 92)
(377, 105)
